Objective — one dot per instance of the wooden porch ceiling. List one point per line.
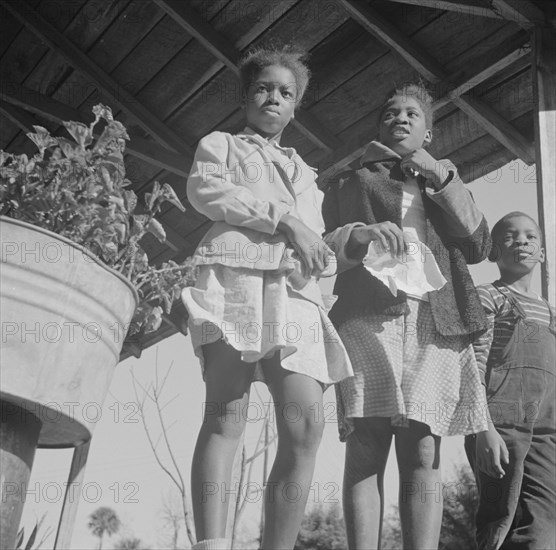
(168, 70)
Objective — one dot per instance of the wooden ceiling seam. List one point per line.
(79, 60)
(434, 72)
(227, 53)
(523, 12)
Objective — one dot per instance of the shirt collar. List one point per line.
(248, 134)
(376, 152)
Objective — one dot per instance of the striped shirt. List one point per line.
(501, 319)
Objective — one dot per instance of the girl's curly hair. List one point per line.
(417, 91)
(293, 59)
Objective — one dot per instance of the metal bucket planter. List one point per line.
(64, 316)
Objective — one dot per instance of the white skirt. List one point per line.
(259, 313)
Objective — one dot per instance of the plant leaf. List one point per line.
(170, 195)
(80, 132)
(155, 228)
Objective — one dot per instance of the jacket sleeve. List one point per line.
(464, 224)
(212, 190)
(336, 235)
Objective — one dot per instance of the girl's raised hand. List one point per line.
(424, 163)
(388, 234)
(310, 249)
(491, 451)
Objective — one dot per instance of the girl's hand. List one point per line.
(388, 234)
(310, 249)
(424, 163)
(491, 451)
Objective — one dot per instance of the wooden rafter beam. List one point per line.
(453, 5)
(226, 52)
(523, 12)
(434, 72)
(516, 48)
(544, 84)
(113, 90)
(57, 112)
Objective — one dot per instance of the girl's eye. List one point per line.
(414, 114)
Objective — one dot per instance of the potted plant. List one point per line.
(74, 282)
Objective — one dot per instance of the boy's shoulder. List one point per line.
(491, 297)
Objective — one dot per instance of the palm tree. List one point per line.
(103, 520)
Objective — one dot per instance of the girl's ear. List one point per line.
(542, 256)
(428, 138)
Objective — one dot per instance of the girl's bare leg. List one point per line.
(367, 449)
(228, 380)
(420, 497)
(299, 419)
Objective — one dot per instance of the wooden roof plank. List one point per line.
(523, 12)
(375, 24)
(189, 19)
(88, 22)
(228, 54)
(81, 61)
(453, 5)
(504, 55)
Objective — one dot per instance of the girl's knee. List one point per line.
(423, 454)
(224, 419)
(302, 435)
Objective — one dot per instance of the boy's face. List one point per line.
(519, 246)
(403, 126)
(270, 100)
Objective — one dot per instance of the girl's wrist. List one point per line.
(286, 224)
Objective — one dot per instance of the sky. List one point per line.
(122, 472)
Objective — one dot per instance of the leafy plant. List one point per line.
(78, 189)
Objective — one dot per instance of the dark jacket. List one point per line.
(456, 233)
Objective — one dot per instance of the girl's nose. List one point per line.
(273, 96)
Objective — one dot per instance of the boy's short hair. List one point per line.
(289, 57)
(417, 91)
(499, 225)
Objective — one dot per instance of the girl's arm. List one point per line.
(491, 449)
(212, 192)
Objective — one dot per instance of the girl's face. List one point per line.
(270, 100)
(403, 127)
(518, 246)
